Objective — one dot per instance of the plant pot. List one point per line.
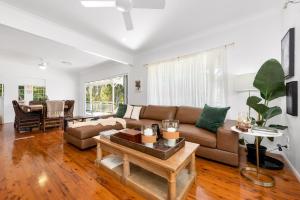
(251, 156)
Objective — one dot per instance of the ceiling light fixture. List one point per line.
(43, 65)
(96, 4)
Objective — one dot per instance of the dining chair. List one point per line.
(53, 114)
(69, 108)
(25, 120)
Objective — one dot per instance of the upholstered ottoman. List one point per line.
(82, 137)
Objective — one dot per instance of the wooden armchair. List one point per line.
(25, 120)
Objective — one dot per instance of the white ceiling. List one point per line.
(29, 49)
(152, 28)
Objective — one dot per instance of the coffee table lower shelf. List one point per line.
(150, 185)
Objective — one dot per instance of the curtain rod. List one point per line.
(178, 57)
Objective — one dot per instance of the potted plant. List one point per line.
(269, 80)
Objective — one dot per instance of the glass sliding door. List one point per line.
(103, 97)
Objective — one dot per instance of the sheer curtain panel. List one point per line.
(192, 80)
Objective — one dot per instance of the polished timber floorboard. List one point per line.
(45, 167)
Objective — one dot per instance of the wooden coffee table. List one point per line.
(152, 177)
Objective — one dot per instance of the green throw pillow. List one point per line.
(121, 110)
(212, 118)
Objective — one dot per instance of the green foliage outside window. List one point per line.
(104, 96)
(1, 90)
(21, 92)
(39, 93)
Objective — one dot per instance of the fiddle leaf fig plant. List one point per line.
(269, 80)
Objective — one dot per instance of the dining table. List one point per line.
(32, 108)
(35, 108)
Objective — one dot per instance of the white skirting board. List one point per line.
(291, 166)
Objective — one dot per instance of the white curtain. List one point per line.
(192, 80)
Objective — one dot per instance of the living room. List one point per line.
(179, 56)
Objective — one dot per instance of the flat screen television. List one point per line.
(292, 98)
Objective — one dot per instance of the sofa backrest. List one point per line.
(159, 112)
(188, 115)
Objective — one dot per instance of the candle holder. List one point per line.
(149, 135)
(243, 122)
(170, 131)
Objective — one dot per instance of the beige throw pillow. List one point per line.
(128, 112)
(136, 112)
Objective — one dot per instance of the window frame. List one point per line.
(109, 79)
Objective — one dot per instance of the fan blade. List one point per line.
(150, 4)
(99, 4)
(128, 21)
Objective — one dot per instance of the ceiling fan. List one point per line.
(125, 6)
(288, 2)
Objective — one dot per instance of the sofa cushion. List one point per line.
(188, 115)
(159, 112)
(198, 135)
(150, 122)
(131, 123)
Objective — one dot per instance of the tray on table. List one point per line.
(160, 149)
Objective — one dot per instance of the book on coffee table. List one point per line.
(131, 135)
(112, 161)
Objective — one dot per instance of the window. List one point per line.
(193, 80)
(21, 92)
(103, 97)
(35, 93)
(39, 93)
(1, 90)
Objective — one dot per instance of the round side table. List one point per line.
(259, 178)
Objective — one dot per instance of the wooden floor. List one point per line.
(45, 167)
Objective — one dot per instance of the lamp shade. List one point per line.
(244, 82)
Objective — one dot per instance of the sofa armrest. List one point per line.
(227, 140)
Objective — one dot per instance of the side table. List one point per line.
(260, 178)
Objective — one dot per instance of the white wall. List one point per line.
(290, 19)
(59, 84)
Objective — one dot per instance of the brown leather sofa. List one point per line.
(221, 146)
